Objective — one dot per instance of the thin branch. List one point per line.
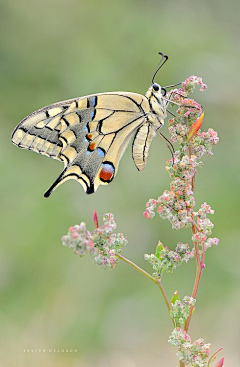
(156, 281)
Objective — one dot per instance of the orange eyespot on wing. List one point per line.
(92, 146)
(107, 172)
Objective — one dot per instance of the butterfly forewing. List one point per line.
(40, 130)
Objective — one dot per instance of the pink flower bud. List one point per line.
(95, 219)
(146, 214)
(220, 363)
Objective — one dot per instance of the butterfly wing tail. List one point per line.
(72, 172)
(56, 183)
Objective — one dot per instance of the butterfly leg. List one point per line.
(171, 113)
(168, 144)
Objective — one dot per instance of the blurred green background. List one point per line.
(56, 50)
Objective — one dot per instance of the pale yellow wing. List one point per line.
(141, 144)
(88, 134)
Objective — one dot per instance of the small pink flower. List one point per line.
(91, 244)
(160, 209)
(187, 113)
(71, 229)
(112, 261)
(74, 234)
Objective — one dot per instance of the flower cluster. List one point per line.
(102, 244)
(191, 82)
(177, 204)
(187, 114)
(166, 260)
(204, 227)
(180, 310)
(195, 353)
(203, 142)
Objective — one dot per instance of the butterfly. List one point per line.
(90, 134)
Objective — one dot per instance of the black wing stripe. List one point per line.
(145, 144)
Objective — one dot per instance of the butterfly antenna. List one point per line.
(168, 144)
(164, 58)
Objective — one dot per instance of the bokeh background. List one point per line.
(56, 50)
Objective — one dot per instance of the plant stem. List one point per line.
(160, 286)
(129, 262)
(156, 281)
(199, 259)
(182, 364)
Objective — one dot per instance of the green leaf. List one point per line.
(175, 297)
(159, 248)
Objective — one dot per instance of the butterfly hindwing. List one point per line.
(141, 144)
(105, 128)
(89, 134)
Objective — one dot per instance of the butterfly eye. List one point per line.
(156, 87)
(164, 92)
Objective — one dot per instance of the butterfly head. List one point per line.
(155, 96)
(157, 88)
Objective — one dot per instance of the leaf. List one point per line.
(159, 248)
(195, 126)
(175, 297)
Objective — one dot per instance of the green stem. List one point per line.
(156, 281)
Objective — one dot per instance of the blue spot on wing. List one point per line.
(101, 152)
(93, 113)
(94, 101)
(108, 167)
